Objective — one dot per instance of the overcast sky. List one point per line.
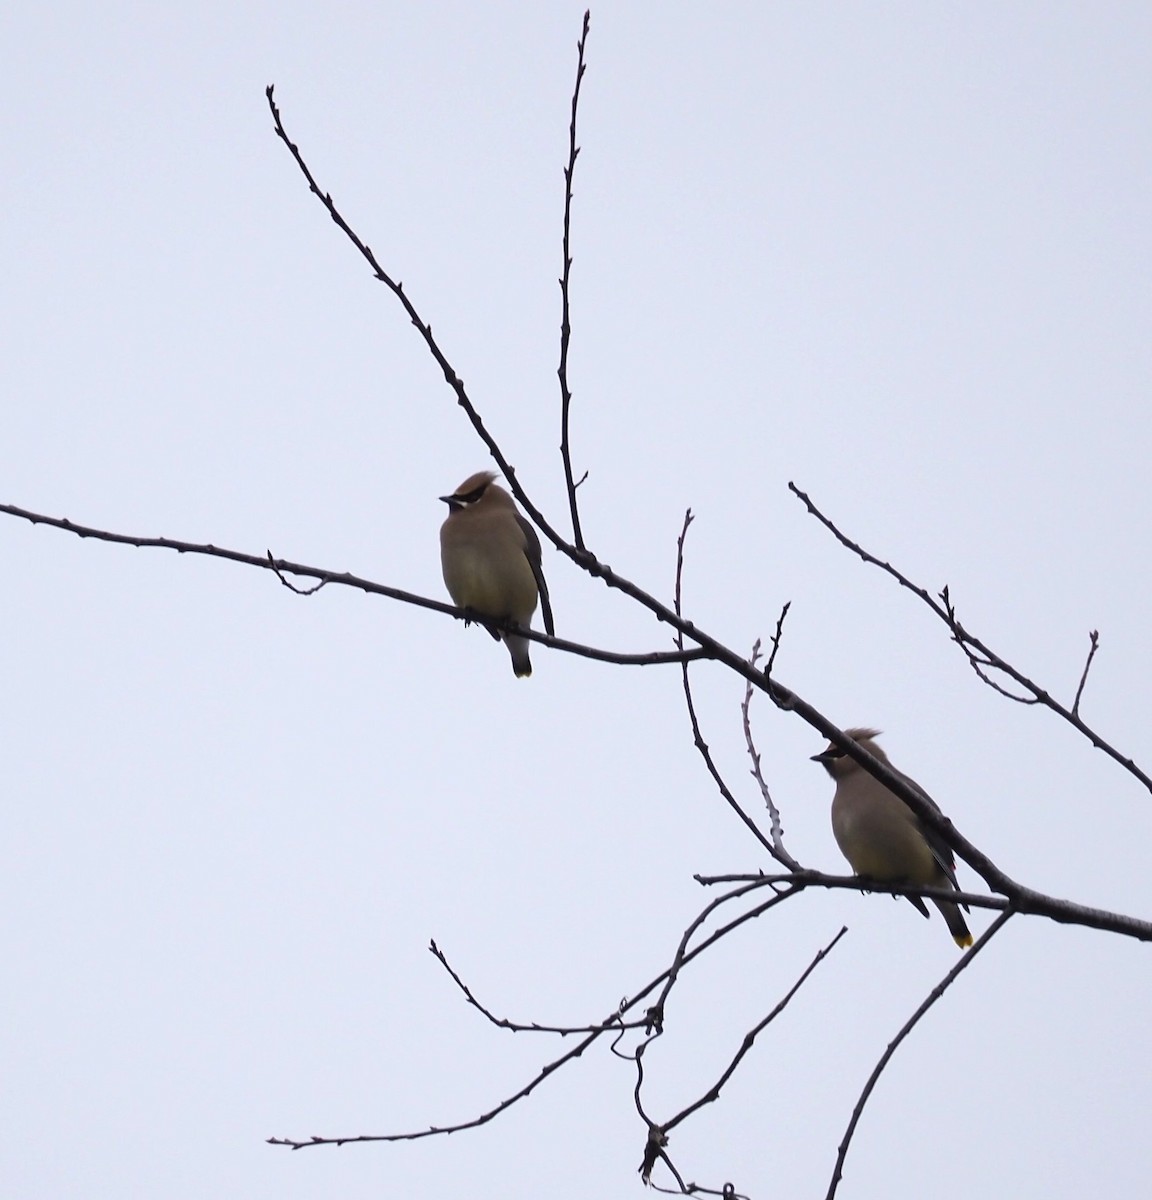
(898, 253)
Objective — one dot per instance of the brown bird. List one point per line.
(491, 559)
(881, 837)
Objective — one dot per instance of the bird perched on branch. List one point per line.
(881, 837)
(491, 559)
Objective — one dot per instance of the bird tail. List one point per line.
(957, 926)
(518, 648)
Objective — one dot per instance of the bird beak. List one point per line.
(824, 756)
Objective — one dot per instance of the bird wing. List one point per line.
(941, 851)
(535, 555)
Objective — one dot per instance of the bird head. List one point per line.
(838, 764)
(471, 491)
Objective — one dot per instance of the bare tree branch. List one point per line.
(282, 567)
(907, 1028)
(582, 557)
(1023, 900)
(565, 324)
(436, 1130)
(973, 646)
(783, 887)
(979, 657)
(610, 1025)
(656, 1144)
(853, 883)
(708, 648)
(983, 661)
(422, 327)
(781, 695)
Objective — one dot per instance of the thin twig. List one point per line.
(657, 1141)
(656, 1149)
(289, 584)
(777, 828)
(656, 1012)
(750, 1037)
(436, 1130)
(727, 1192)
(697, 736)
(615, 1021)
(549, 1068)
(979, 663)
(565, 323)
(909, 1025)
(1093, 646)
(776, 638)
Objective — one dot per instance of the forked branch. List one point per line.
(978, 654)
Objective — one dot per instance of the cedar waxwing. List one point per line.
(491, 559)
(881, 837)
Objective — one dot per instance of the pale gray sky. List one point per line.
(897, 253)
